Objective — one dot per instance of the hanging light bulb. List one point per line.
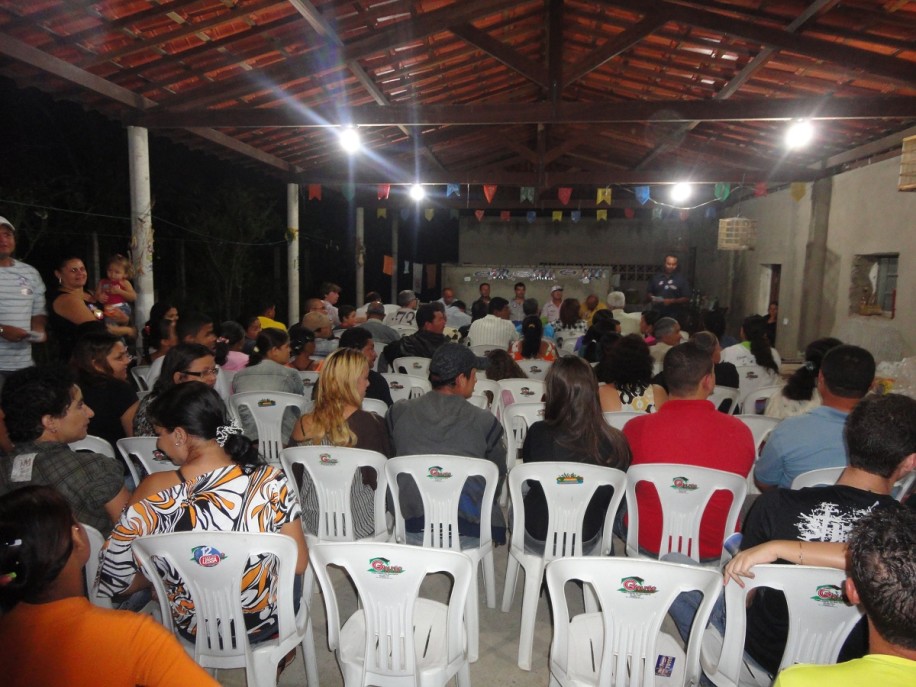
(799, 134)
(349, 140)
(417, 192)
(681, 192)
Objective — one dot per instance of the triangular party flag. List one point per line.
(381, 212)
(452, 189)
(642, 194)
(504, 215)
(629, 213)
(760, 189)
(797, 190)
(314, 191)
(478, 214)
(348, 190)
(564, 193)
(575, 215)
(722, 191)
(405, 214)
(557, 215)
(429, 213)
(406, 267)
(526, 193)
(453, 214)
(657, 212)
(489, 190)
(604, 195)
(684, 215)
(711, 212)
(383, 191)
(388, 265)
(601, 215)
(531, 216)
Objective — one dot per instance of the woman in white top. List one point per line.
(757, 362)
(800, 394)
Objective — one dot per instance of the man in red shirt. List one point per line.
(689, 430)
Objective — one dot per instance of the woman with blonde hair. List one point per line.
(338, 420)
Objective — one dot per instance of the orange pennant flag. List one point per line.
(504, 215)
(478, 214)
(383, 191)
(564, 193)
(314, 191)
(489, 190)
(388, 265)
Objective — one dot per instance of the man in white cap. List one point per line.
(550, 313)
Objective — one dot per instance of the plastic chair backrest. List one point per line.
(94, 444)
(412, 365)
(96, 542)
(138, 374)
(479, 401)
(760, 426)
(211, 566)
(521, 391)
(404, 386)
(489, 389)
(404, 329)
(374, 405)
(819, 618)
(332, 470)
(619, 418)
(388, 578)
(754, 402)
(141, 450)
(817, 478)
(267, 408)
(720, 394)
(568, 345)
(482, 349)
(634, 596)
(516, 420)
(309, 380)
(440, 480)
(568, 489)
(752, 378)
(684, 492)
(535, 369)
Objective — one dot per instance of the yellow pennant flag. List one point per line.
(601, 215)
(381, 212)
(797, 190)
(557, 215)
(604, 195)
(428, 214)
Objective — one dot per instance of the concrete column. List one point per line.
(141, 214)
(394, 258)
(360, 255)
(292, 251)
(816, 311)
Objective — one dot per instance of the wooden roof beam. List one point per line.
(503, 53)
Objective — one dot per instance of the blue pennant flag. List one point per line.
(531, 216)
(451, 189)
(575, 215)
(405, 214)
(642, 194)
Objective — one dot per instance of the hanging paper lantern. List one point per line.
(737, 233)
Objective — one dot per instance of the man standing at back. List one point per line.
(668, 290)
(688, 430)
(517, 304)
(815, 440)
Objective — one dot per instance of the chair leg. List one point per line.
(533, 579)
(309, 657)
(489, 579)
(472, 619)
(464, 676)
(511, 579)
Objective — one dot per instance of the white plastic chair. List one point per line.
(535, 369)
(374, 405)
(623, 644)
(568, 489)
(819, 622)
(332, 470)
(412, 365)
(760, 426)
(406, 386)
(403, 329)
(142, 450)
(619, 418)
(722, 393)
(395, 637)
(93, 444)
(761, 394)
(479, 401)
(684, 492)
(817, 478)
(267, 408)
(440, 480)
(215, 591)
(482, 349)
(309, 380)
(521, 391)
(138, 374)
(489, 389)
(96, 543)
(568, 347)
(516, 420)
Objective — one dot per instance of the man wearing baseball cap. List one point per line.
(442, 421)
(550, 313)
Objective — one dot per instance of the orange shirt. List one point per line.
(71, 643)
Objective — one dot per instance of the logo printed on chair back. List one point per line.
(308, 381)
(383, 568)
(829, 595)
(417, 366)
(207, 556)
(266, 403)
(525, 391)
(326, 459)
(535, 368)
(634, 588)
(395, 385)
(436, 472)
(682, 484)
(570, 478)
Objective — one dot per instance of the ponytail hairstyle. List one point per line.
(230, 334)
(36, 541)
(268, 339)
(755, 331)
(154, 333)
(199, 411)
(532, 332)
(803, 381)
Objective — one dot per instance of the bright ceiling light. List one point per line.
(417, 192)
(681, 192)
(349, 140)
(799, 134)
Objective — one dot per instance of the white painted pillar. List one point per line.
(360, 255)
(394, 257)
(292, 252)
(141, 214)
